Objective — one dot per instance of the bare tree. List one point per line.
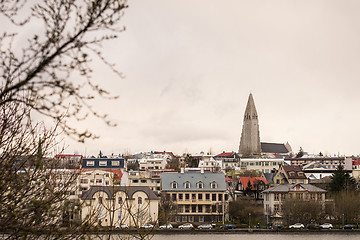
(36, 75)
(39, 76)
(301, 210)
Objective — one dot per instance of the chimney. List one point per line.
(202, 170)
(182, 170)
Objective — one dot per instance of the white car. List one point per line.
(297, 226)
(147, 226)
(166, 226)
(326, 226)
(186, 226)
(122, 226)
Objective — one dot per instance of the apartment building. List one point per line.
(200, 196)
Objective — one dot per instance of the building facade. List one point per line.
(200, 196)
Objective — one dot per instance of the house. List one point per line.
(229, 160)
(264, 165)
(210, 164)
(327, 162)
(275, 196)
(290, 174)
(103, 163)
(68, 161)
(112, 206)
(252, 186)
(200, 196)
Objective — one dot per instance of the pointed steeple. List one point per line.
(250, 136)
(250, 111)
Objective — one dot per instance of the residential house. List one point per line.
(103, 163)
(290, 174)
(326, 162)
(229, 160)
(200, 196)
(275, 196)
(252, 186)
(112, 206)
(264, 165)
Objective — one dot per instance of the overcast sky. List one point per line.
(190, 66)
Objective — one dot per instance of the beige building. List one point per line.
(273, 197)
(200, 196)
(112, 206)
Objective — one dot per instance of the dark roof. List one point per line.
(269, 177)
(110, 190)
(296, 169)
(273, 148)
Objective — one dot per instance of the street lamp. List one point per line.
(343, 220)
(249, 220)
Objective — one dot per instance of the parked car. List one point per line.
(122, 226)
(205, 226)
(348, 226)
(312, 226)
(297, 226)
(278, 226)
(147, 226)
(228, 226)
(326, 226)
(186, 226)
(166, 226)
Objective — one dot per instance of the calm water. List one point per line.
(275, 236)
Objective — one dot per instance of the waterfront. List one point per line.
(259, 236)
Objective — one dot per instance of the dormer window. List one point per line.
(292, 174)
(174, 185)
(213, 185)
(200, 185)
(301, 174)
(187, 185)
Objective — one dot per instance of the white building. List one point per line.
(264, 165)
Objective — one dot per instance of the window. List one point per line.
(220, 197)
(187, 208)
(143, 181)
(276, 197)
(187, 196)
(200, 196)
(180, 196)
(200, 208)
(276, 207)
(102, 163)
(174, 197)
(180, 208)
(90, 163)
(293, 181)
(193, 197)
(191, 218)
(115, 163)
(107, 183)
(213, 208)
(207, 208)
(213, 198)
(266, 197)
(139, 200)
(213, 185)
(207, 197)
(174, 185)
(84, 180)
(193, 208)
(98, 180)
(201, 218)
(200, 185)
(135, 180)
(187, 185)
(300, 173)
(292, 174)
(120, 201)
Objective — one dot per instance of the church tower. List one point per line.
(250, 136)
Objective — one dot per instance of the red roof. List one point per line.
(225, 154)
(253, 180)
(356, 162)
(170, 153)
(227, 179)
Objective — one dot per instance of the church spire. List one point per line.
(250, 135)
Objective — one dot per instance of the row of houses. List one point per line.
(112, 194)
